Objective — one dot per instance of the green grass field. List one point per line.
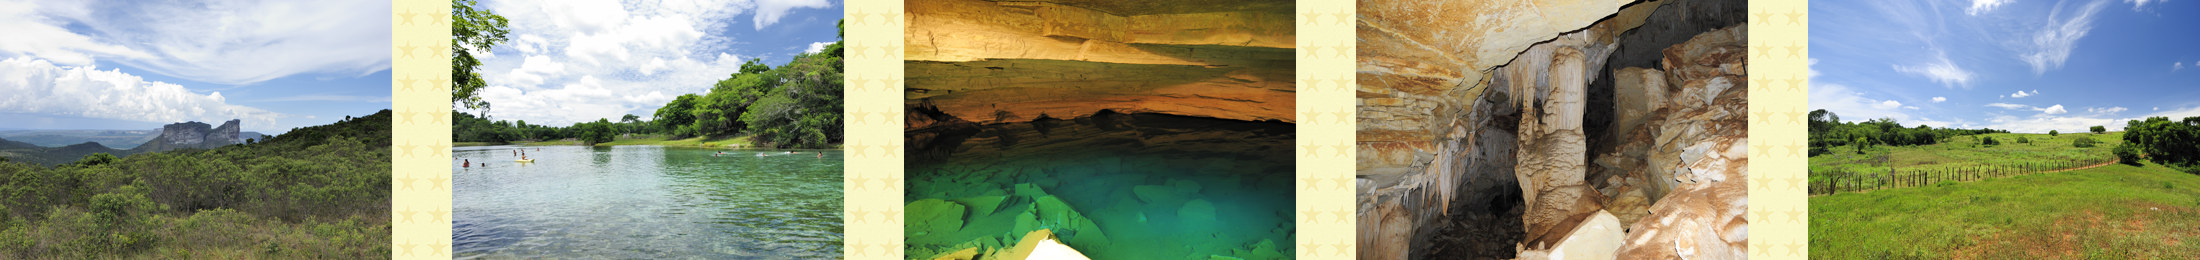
(1965, 151)
(1957, 158)
(2113, 212)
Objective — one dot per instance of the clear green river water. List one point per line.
(645, 202)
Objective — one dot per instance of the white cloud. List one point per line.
(769, 11)
(36, 86)
(2051, 45)
(1910, 107)
(2008, 106)
(2174, 67)
(2140, 4)
(1853, 106)
(649, 52)
(29, 33)
(2105, 110)
(237, 42)
(2054, 110)
(2021, 94)
(816, 46)
(1940, 99)
(1941, 70)
(1982, 6)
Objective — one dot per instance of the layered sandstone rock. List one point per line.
(1014, 61)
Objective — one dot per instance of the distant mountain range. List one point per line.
(118, 139)
(186, 135)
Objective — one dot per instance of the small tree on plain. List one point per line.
(2100, 130)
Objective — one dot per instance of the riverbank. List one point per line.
(719, 142)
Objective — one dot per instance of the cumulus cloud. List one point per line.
(1983, 6)
(36, 86)
(2176, 66)
(1940, 99)
(2050, 45)
(1940, 70)
(768, 12)
(816, 46)
(2022, 94)
(2105, 110)
(2008, 106)
(1854, 106)
(574, 54)
(236, 42)
(2053, 110)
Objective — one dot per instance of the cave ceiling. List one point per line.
(1010, 61)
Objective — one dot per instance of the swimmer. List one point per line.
(469, 163)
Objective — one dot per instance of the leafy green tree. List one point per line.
(592, 133)
(2084, 142)
(481, 31)
(96, 159)
(675, 116)
(2053, 133)
(2100, 130)
(2171, 143)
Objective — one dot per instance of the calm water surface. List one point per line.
(646, 202)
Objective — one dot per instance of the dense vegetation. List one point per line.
(315, 192)
(796, 105)
(1827, 131)
(2175, 144)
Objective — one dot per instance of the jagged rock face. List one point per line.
(1701, 148)
(191, 135)
(1419, 57)
(1003, 62)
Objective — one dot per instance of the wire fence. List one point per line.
(1836, 181)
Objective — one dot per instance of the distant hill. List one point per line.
(40, 155)
(119, 139)
(186, 135)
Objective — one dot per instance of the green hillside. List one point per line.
(315, 192)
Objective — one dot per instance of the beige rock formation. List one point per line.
(1702, 150)
(1457, 95)
(1597, 238)
(1012, 61)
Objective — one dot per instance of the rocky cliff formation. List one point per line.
(1014, 61)
(192, 135)
(1468, 109)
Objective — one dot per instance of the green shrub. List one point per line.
(95, 159)
(2084, 142)
(1988, 140)
(2099, 130)
(2128, 153)
(2053, 133)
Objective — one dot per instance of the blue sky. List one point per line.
(582, 60)
(2024, 66)
(273, 64)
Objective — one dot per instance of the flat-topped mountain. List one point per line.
(185, 135)
(191, 135)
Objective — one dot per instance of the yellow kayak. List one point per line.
(525, 161)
